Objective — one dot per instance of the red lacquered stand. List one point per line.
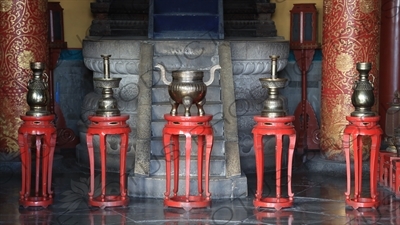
(385, 160)
(383, 167)
(395, 177)
(103, 126)
(278, 127)
(188, 126)
(354, 131)
(43, 129)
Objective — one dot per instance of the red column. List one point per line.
(23, 38)
(350, 35)
(389, 64)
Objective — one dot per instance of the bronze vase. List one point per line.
(363, 92)
(38, 93)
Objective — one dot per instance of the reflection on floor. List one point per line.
(319, 199)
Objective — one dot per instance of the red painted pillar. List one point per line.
(389, 64)
(23, 39)
(350, 35)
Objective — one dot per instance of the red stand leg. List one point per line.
(167, 148)
(209, 146)
(44, 132)
(188, 126)
(273, 126)
(358, 127)
(103, 126)
(200, 148)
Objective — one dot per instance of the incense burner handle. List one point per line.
(212, 72)
(163, 77)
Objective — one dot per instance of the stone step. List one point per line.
(160, 109)
(157, 147)
(220, 187)
(217, 166)
(160, 94)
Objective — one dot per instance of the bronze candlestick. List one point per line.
(107, 105)
(273, 105)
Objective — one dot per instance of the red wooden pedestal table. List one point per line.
(43, 129)
(395, 177)
(354, 131)
(384, 167)
(103, 126)
(188, 126)
(278, 127)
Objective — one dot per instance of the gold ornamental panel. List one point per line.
(5, 5)
(24, 59)
(344, 62)
(367, 6)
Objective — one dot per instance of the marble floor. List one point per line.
(319, 199)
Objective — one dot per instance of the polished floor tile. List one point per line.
(319, 199)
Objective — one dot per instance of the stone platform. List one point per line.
(233, 99)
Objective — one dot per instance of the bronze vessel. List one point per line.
(187, 88)
(107, 105)
(363, 92)
(392, 122)
(396, 141)
(38, 93)
(273, 106)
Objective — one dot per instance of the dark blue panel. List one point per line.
(181, 19)
(317, 55)
(185, 23)
(295, 27)
(71, 54)
(185, 6)
(308, 28)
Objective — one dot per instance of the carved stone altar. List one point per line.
(233, 98)
(243, 62)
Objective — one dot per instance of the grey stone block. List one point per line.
(220, 187)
